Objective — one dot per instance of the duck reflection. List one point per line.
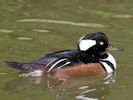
(82, 88)
(79, 88)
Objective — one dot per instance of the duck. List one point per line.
(89, 59)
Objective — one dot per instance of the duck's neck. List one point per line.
(101, 55)
(92, 58)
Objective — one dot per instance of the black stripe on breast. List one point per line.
(103, 67)
(109, 63)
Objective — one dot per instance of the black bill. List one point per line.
(113, 48)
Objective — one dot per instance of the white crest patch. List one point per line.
(86, 44)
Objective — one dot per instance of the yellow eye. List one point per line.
(101, 43)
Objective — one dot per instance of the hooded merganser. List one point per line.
(90, 58)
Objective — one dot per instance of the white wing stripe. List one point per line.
(55, 64)
(64, 65)
(50, 62)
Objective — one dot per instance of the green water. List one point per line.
(32, 28)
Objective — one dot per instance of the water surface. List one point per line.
(32, 28)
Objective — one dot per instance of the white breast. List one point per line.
(109, 63)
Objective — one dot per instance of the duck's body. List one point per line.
(81, 62)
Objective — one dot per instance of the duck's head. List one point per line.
(94, 43)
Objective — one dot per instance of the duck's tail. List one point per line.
(24, 67)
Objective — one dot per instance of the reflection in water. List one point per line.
(88, 88)
(79, 88)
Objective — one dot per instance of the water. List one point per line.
(32, 28)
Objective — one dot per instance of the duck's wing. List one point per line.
(23, 67)
(62, 53)
(56, 55)
(45, 60)
(59, 59)
(58, 63)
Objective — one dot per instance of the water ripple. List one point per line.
(123, 16)
(24, 38)
(40, 30)
(62, 22)
(6, 31)
(3, 73)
